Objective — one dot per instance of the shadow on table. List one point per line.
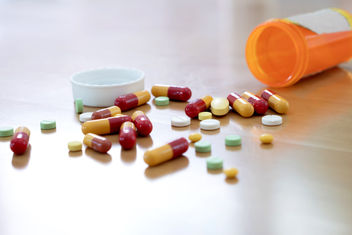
(129, 156)
(169, 167)
(104, 158)
(21, 161)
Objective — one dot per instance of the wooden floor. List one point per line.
(302, 184)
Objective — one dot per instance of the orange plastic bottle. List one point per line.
(280, 52)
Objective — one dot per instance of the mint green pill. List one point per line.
(79, 105)
(202, 146)
(214, 163)
(162, 101)
(233, 140)
(6, 131)
(47, 124)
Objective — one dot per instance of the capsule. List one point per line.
(20, 140)
(105, 113)
(260, 105)
(242, 106)
(128, 135)
(199, 105)
(276, 102)
(179, 93)
(132, 100)
(96, 142)
(105, 125)
(166, 152)
(143, 124)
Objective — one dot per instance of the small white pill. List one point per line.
(180, 121)
(209, 124)
(271, 120)
(85, 116)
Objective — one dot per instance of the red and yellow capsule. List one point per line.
(105, 125)
(166, 152)
(128, 135)
(142, 122)
(132, 100)
(276, 102)
(260, 105)
(20, 140)
(105, 113)
(199, 105)
(179, 93)
(96, 142)
(242, 106)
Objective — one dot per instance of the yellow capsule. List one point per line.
(266, 138)
(219, 106)
(242, 106)
(276, 102)
(194, 137)
(107, 112)
(231, 173)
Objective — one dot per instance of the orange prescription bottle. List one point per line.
(279, 52)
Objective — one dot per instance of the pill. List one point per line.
(6, 131)
(276, 102)
(105, 113)
(180, 121)
(20, 140)
(231, 173)
(132, 100)
(85, 116)
(202, 146)
(47, 124)
(240, 105)
(74, 146)
(214, 163)
(143, 124)
(204, 115)
(97, 143)
(128, 135)
(166, 152)
(259, 104)
(105, 125)
(271, 120)
(161, 101)
(266, 138)
(194, 137)
(233, 140)
(179, 93)
(209, 124)
(199, 105)
(219, 106)
(79, 105)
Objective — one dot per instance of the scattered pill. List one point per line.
(202, 146)
(105, 125)
(179, 93)
(161, 101)
(276, 102)
(79, 105)
(180, 121)
(6, 131)
(219, 106)
(266, 138)
(204, 115)
(83, 117)
(233, 140)
(259, 104)
(20, 140)
(242, 106)
(97, 143)
(47, 124)
(143, 124)
(166, 152)
(128, 135)
(195, 137)
(132, 100)
(105, 113)
(199, 105)
(231, 173)
(271, 120)
(209, 124)
(214, 163)
(74, 146)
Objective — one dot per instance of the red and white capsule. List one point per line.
(20, 140)
(143, 124)
(105, 113)
(97, 143)
(179, 93)
(128, 135)
(259, 104)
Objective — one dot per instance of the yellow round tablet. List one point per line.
(194, 137)
(74, 146)
(266, 138)
(204, 115)
(231, 173)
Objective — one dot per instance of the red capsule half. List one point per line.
(143, 124)
(20, 140)
(132, 100)
(127, 136)
(199, 105)
(259, 104)
(179, 93)
(97, 143)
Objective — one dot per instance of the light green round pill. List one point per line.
(162, 100)
(6, 131)
(214, 163)
(79, 105)
(202, 146)
(47, 124)
(233, 140)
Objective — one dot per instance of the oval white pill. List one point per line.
(180, 121)
(209, 124)
(271, 120)
(85, 116)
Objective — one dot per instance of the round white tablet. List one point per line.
(180, 121)
(271, 120)
(85, 116)
(209, 124)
